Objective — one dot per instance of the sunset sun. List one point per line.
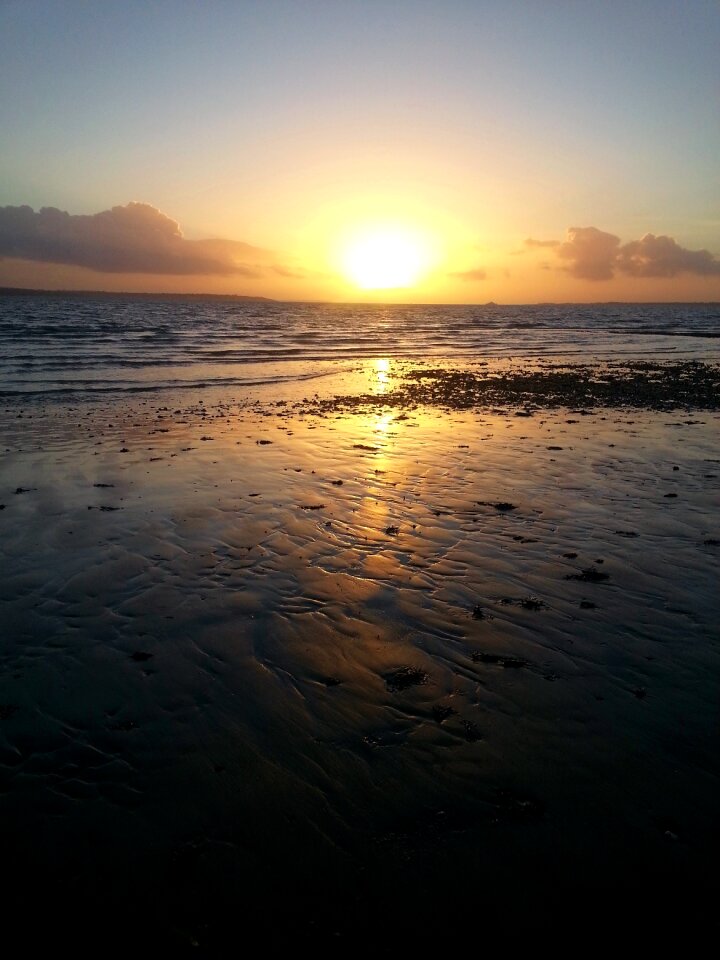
(383, 258)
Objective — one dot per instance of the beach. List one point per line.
(359, 479)
(370, 659)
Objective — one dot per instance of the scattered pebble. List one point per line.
(472, 734)
(518, 808)
(441, 712)
(509, 663)
(589, 575)
(532, 603)
(123, 726)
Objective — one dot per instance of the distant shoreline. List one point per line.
(30, 292)
(232, 297)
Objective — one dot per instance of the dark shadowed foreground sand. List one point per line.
(426, 662)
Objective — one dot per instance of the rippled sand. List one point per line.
(278, 667)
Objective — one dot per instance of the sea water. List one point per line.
(71, 346)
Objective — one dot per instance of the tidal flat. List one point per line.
(405, 657)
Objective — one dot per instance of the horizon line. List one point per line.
(35, 291)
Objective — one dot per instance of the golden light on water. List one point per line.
(383, 422)
(384, 257)
(382, 370)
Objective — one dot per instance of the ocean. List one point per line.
(78, 346)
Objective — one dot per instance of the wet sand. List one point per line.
(396, 661)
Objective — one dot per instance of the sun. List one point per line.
(382, 258)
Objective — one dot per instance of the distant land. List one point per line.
(237, 297)
(28, 292)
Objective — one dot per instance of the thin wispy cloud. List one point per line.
(541, 243)
(282, 271)
(470, 275)
(593, 254)
(135, 238)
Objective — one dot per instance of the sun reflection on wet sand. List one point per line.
(382, 375)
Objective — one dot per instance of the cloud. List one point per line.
(287, 272)
(135, 238)
(469, 275)
(541, 243)
(593, 254)
(664, 257)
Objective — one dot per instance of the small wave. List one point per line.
(80, 387)
(664, 332)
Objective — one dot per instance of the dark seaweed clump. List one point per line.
(405, 677)
(643, 385)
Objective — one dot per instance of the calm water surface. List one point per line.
(60, 346)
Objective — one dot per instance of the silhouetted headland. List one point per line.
(121, 295)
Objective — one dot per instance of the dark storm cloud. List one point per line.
(592, 254)
(135, 238)
(477, 274)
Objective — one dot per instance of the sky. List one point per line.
(462, 151)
